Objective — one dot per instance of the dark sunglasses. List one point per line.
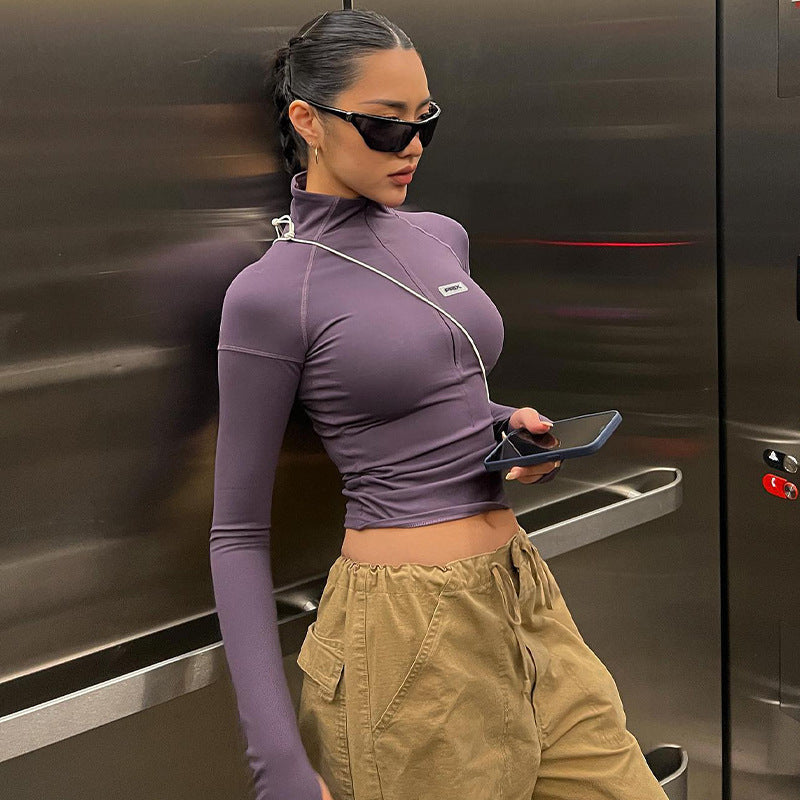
(381, 133)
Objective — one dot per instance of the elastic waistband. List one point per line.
(463, 573)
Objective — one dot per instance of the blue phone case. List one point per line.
(558, 454)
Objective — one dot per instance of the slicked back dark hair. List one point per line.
(322, 64)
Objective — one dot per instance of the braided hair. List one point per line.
(322, 65)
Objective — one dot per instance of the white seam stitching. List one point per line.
(433, 236)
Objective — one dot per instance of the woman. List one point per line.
(443, 662)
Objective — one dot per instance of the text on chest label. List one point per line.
(452, 288)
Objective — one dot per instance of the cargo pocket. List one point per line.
(322, 716)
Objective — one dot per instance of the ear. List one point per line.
(305, 121)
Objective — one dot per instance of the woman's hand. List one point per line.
(530, 419)
(326, 795)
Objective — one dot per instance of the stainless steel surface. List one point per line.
(140, 176)
(761, 243)
(597, 513)
(789, 683)
(788, 48)
(670, 764)
(66, 714)
(137, 182)
(186, 749)
(109, 701)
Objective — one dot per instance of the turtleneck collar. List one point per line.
(314, 213)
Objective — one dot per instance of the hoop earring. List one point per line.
(316, 155)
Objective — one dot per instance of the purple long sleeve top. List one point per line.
(392, 387)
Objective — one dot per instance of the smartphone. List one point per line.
(567, 438)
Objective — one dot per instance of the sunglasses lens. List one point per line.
(389, 136)
(426, 132)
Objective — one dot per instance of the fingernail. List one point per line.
(511, 475)
(543, 418)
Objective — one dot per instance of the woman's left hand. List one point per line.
(530, 419)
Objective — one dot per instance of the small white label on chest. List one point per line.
(452, 288)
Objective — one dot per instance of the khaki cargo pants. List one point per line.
(468, 681)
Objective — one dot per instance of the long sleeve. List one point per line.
(500, 417)
(256, 393)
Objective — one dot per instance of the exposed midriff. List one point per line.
(435, 543)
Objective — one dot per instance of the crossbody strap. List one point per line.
(289, 236)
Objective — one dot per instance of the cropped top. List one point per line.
(392, 387)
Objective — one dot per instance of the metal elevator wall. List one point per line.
(577, 147)
(761, 243)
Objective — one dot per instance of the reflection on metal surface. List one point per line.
(131, 150)
(788, 48)
(25, 729)
(670, 764)
(760, 82)
(590, 244)
(754, 431)
(589, 516)
(80, 366)
(106, 702)
(790, 669)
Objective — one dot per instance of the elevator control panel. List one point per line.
(776, 484)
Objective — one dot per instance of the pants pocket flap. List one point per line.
(322, 660)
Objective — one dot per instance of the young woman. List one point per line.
(443, 662)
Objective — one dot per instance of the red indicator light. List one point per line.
(579, 243)
(604, 244)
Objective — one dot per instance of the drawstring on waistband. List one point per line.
(533, 577)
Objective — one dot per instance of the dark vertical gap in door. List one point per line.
(722, 415)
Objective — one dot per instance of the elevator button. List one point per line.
(773, 458)
(774, 484)
(780, 487)
(778, 460)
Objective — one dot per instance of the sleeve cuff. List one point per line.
(501, 414)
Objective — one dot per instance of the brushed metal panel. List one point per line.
(790, 669)
(788, 48)
(589, 516)
(138, 180)
(138, 177)
(761, 242)
(186, 749)
(70, 715)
